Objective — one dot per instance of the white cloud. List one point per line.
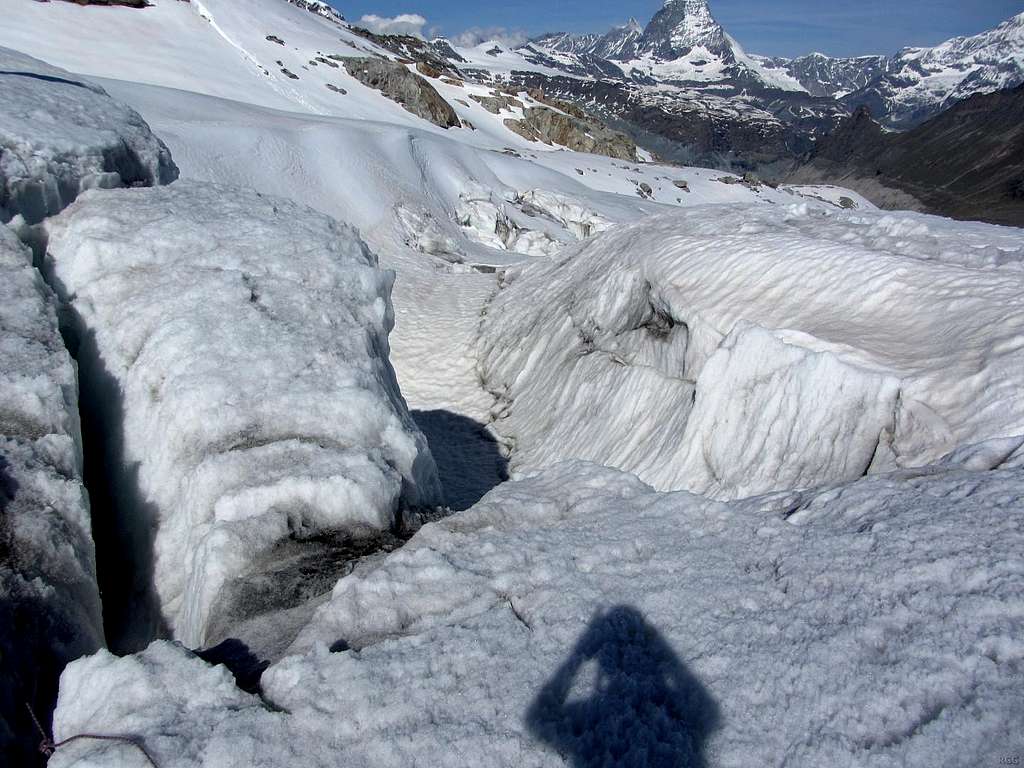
(402, 24)
(509, 38)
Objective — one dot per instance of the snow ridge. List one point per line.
(259, 403)
(64, 137)
(733, 352)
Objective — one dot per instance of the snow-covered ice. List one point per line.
(49, 604)
(60, 134)
(246, 337)
(875, 623)
(737, 350)
(234, 350)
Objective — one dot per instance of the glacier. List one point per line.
(733, 351)
(769, 612)
(765, 444)
(246, 338)
(65, 137)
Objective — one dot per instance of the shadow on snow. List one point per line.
(469, 459)
(623, 699)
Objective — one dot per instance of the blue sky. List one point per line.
(773, 27)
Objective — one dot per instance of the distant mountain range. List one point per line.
(934, 129)
(686, 89)
(684, 45)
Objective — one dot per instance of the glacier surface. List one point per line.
(49, 603)
(60, 135)
(735, 350)
(246, 341)
(580, 616)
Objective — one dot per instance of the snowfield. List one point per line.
(736, 350)
(578, 616)
(49, 604)
(60, 135)
(403, 188)
(246, 339)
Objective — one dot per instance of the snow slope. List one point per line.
(60, 135)
(247, 337)
(404, 189)
(737, 350)
(268, 53)
(756, 632)
(49, 604)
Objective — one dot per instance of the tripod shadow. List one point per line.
(643, 709)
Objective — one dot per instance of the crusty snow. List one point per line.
(578, 616)
(736, 350)
(247, 336)
(60, 134)
(275, 409)
(49, 603)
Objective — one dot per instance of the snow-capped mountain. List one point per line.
(680, 27)
(917, 83)
(681, 44)
(825, 75)
(618, 44)
(684, 79)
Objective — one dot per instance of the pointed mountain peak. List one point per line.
(682, 25)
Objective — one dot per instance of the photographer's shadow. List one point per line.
(645, 708)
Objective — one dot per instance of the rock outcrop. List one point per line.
(580, 134)
(407, 88)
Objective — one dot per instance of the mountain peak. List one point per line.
(680, 26)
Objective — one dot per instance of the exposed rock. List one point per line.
(427, 71)
(727, 132)
(437, 54)
(404, 87)
(498, 102)
(580, 135)
(527, 132)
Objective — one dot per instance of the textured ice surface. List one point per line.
(735, 350)
(60, 135)
(581, 617)
(243, 342)
(49, 604)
